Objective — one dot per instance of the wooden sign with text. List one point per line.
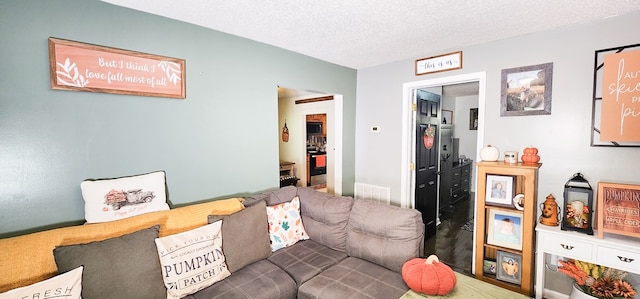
(618, 209)
(86, 67)
(621, 97)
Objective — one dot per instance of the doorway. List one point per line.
(294, 105)
(408, 162)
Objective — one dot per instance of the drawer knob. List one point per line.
(567, 247)
(625, 259)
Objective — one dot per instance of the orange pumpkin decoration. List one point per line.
(428, 276)
(530, 155)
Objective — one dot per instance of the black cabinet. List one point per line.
(454, 182)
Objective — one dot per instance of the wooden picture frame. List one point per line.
(526, 90)
(86, 67)
(509, 267)
(499, 190)
(473, 119)
(618, 209)
(504, 229)
(447, 117)
(439, 63)
(607, 129)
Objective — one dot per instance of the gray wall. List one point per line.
(221, 141)
(563, 137)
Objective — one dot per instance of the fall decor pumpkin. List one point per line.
(428, 276)
(530, 155)
(489, 153)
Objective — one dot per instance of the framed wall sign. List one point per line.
(618, 209)
(440, 63)
(526, 90)
(616, 97)
(86, 67)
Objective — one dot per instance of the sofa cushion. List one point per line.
(306, 259)
(384, 234)
(66, 285)
(325, 217)
(354, 278)
(192, 260)
(277, 196)
(122, 267)
(285, 224)
(261, 279)
(245, 236)
(118, 198)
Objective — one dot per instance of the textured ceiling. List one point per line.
(364, 33)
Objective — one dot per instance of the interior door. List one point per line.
(426, 160)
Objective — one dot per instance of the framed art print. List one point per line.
(500, 190)
(509, 267)
(505, 229)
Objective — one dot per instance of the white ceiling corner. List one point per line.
(360, 34)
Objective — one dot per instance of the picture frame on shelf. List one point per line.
(509, 267)
(505, 228)
(500, 191)
(447, 117)
(526, 90)
(489, 266)
(473, 119)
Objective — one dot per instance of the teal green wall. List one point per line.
(221, 141)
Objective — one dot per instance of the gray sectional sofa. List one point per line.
(356, 249)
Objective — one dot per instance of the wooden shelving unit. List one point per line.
(525, 182)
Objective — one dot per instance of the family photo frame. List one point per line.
(509, 267)
(505, 229)
(500, 190)
(526, 90)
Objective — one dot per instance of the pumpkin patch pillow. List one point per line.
(285, 224)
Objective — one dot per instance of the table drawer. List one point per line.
(566, 247)
(619, 259)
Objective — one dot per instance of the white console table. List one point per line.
(615, 251)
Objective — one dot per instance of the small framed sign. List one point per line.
(440, 63)
(618, 209)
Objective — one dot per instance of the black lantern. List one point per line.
(578, 205)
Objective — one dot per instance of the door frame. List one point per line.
(334, 142)
(407, 176)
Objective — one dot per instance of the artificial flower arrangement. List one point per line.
(598, 281)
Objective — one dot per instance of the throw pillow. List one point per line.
(250, 236)
(192, 260)
(121, 267)
(118, 198)
(67, 285)
(285, 224)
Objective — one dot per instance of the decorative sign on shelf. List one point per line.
(616, 97)
(440, 63)
(86, 67)
(618, 209)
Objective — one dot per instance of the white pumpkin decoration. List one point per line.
(489, 153)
